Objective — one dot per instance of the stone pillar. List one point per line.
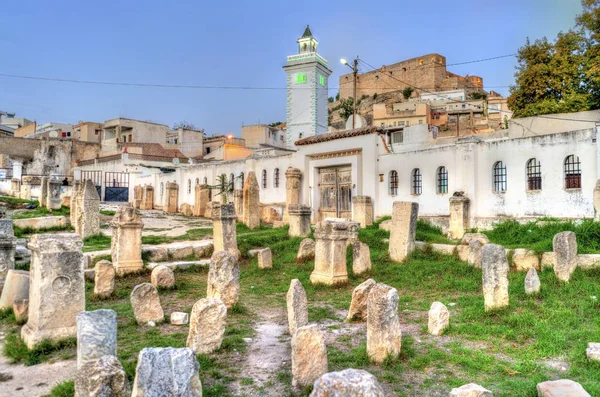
(74, 203)
(495, 276)
(44, 191)
(597, 201)
(147, 198)
(56, 289)
(459, 217)
(564, 245)
(330, 253)
(16, 287)
(224, 235)
(96, 335)
(126, 245)
(8, 245)
(404, 227)
(138, 192)
(54, 201)
(15, 187)
(201, 199)
(251, 204)
(299, 219)
(362, 210)
(172, 197)
(238, 202)
(384, 337)
(26, 182)
(292, 190)
(88, 210)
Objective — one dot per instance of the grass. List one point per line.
(39, 212)
(101, 242)
(108, 212)
(27, 231)
(16, 350)
(14, 202)
(63, 389)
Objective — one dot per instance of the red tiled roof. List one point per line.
(155, 149)
(330, 136)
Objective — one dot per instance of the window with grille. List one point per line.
(242, 178)
(417, 186)
(499, 177)
(534, 174)
(398, 137)
(197, 181)
(205, 181)
(276, 177)
(231, 181)
(189, 186)
(572, 172)
(264, 179)
(162, 190)
(393, 183)
(442, 180)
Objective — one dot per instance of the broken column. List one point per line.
(172, 190)
(362, 210)
(330, 253)
(384, 337)
(44, 191)
(564, 246)
(292, 190)
(495, 276)
(238, 202)
(96, 335)
(16, 287)
(207, 325)
(309, 355)
(57, 287)
(224, 224)
(358, 305)
(88, 210)
(297, 306)
(147, 198)
(361, 258)
(126, 244)
(459, 217)
(251, 202)
(15, 187)
(8, 245)
(404, 227)
(137, 196)
(299, 220)
(201, 200)
(54, 201)
(224, 278)
(26, 182)
(75, 191)
(102, 377)
(104, 279)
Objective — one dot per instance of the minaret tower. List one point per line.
(307, 75)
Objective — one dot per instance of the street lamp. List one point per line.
(354, 68)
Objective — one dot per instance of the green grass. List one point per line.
(63, 389)
(16, 350)
(27, 231)
(97, 242)
(14, 202)
(108, 212)
(39, 212)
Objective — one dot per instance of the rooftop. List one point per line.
(331, 136)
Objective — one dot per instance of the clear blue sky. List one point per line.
(235, 43)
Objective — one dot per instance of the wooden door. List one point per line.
(335, 188)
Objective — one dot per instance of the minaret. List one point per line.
(307, 75)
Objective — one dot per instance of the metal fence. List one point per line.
(6, 174)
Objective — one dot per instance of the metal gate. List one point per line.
(116, 186)
(96, 178)
(335, 188)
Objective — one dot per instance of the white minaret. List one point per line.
(307, 75)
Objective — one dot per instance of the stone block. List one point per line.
(358, 306)
(251, 201)
(459, 217)
(104, 279)
(179, 318)
(439, 318)
(561, 388)
(186, 209)
(224, 278)
(347, 383)
(361, 258)
(384, 336)
(532, 282)
(362, 210)
(162, 277)
(565, 249)
(265, 258)
(103, 377)
(96, 335)
(299, 220)
(207, 325)
(224, 227)
(495, 277)
(524, 259)
(126, 244)
(404, 226)
(21, 310)
(330, 252)
(306, 250)
(145, 303)
(470, 390)
(309, 356)
(15, 288)
(297, 306)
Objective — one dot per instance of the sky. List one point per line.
(238, 43)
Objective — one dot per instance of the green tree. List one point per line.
(347, 108)
(407, 92)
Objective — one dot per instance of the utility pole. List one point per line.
(354, 68)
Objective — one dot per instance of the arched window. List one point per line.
(162, 190)
(232, 181)
(205, 181)
(417, 186)
(442, 180)
(197, 181)
(276, 177)
(393, 183)
(264, 179)
(572, 172)
(242, 180)
(189, 186)
(499, 176)
(534, 174)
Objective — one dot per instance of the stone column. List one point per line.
(26, 182)
(8, 245)
(56, 289)
(201, 200)
(137, 196)
(126, 245)
(404, 227)
(292, 190)
(15, 187)
(251, 204)
(299, 219)
(147, 198)
(238, 201)
(224, 235)
(459, 217)
(172, 197)
(96, 335)
(54, 201)
(88, 210)
(495, 276)
(44, 191)
(597, 201)
(330, 253)
(384, 336)
(362, 210)
(74, 203)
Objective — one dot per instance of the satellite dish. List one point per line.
(175, 160)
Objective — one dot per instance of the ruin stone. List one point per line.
(186, 209)
(126, 244)
(596, 200)
(44, 191)
(265, 258)
(179, 318)
(330, 252)
(475, 251)
(56, 287)
(74, 210)
(565, 248)
(361, 258)
(524, 259)
(162, 277)
(2, 210)
(384, 336)
(532, 282)
(15, 187)
(358, 306)
(438, 318)
(238, 203)
(201, 200)
(495, 277)
(207, 325)
(292, 190)
(593, 351)
(561, 388)
(299, 220)
(21, 310)
(459, 217)
(468, 237)
(8, 246)
(306, 250)
(138, 193)
(96, 335)
(362, 210)
(102, 378)
(167, 372)
(309, 356)
(104, 279)
(347, 383)
(251, 204)
(470, 390)
(54, 201)
(147, 198)
(404, 227)
(224, 227)
(88, 210)
(297, 306)
(15, 288)
(172, 193)
(224, 278)
(145, 303)
(269, 215)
